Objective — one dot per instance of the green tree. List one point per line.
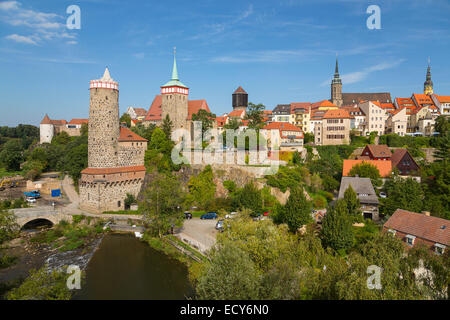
(144, 131)
(163, 201)
(202, 188)
(61, 138)
(8, 226)
(129, 200)
(11, 155)
(159, 151)
(167, 126)
(366, 170)
(308, 137)
(255, 116)
(126, 118)
(297, 211)
(42, 285)
(337, 231)
(248, 197)
(230, 275)
(405, 194)
(353, 204)
(207, 119)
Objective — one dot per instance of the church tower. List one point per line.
(103, 122)
(336, 87)
(428, 85)
(175, 100)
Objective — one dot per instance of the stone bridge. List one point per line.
(25, 215)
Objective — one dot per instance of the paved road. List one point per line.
(199, 233)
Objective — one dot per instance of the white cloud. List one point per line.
(358, 76)
(21, 39)
(8, 5)
(43, 26)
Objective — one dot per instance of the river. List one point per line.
(124, 267)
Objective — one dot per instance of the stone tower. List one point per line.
(104, 127)
(428, 84)
(336, 87)
(240, 99)
(175, 100)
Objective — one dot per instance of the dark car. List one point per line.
(188, 215)
(209, 215)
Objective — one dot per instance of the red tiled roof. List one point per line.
(127, 135)
(113, 170)
(221, 121)
(323, 103)
(59, 122)
(300, 105)
(78, 121)
(195, 105)
(387, 106)
(46, 120)
(140, 112)
(398, 155)
(383, 166)
(420, 225)
(154, 112)
(337, 114)
(443, 99)
(240, 90)
(283, 126)
(235, 113)
(379, 151)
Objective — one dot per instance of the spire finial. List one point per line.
(175, 71)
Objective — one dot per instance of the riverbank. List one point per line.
(63, 245)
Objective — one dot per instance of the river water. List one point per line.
(124, 267)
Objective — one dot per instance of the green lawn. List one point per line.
(5, 173)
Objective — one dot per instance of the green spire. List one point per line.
(175, 71)
(175, 81)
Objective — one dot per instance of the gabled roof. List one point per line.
(283, 126)
(363, 188)
(235, 113)
(337, 114)
(78, 121)
(323, 103)
(398, 156)
(221, 121)
(140, 112)
(384, 167)
(154, 112)
(420, 225)
(126, 135)
(352, 98)
(300, 105)
(195, 105)
(380, 150)
(443, 99)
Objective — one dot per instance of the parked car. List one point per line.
(383, 195)
(209, 215)
(31, 200)
(188, 215)
(219, 225)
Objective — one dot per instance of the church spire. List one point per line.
(428, 84)
(175, 71)
(337, 78)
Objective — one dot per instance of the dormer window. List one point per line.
(410, 239)
(439, 248)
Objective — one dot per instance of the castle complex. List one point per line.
(115, 153)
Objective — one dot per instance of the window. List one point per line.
(439, 248)
(410, 239)
(118, 204)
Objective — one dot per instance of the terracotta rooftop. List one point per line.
(283, 126)
(195, 105)
(140, 112)
(155, 111)
(240, 90)
(98, 171)
(79, 121)
(420, 225)
(384, 167)
(398, 155)
(235, 113)
(352, 98)
(380, 150)
(337, 114)
(126, 135)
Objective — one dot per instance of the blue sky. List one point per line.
(279, 51)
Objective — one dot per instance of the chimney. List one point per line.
(427, 213)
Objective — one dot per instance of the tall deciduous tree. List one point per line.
(297, 211)
(163, 201)
(255, 115)
(405, 194)
(353, 203)
(337, 231)
(202, 188)
(207, 119)
(366, 170)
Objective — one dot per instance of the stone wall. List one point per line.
(97, 197)
(103, 128)
(176, 106)
(131, 154)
